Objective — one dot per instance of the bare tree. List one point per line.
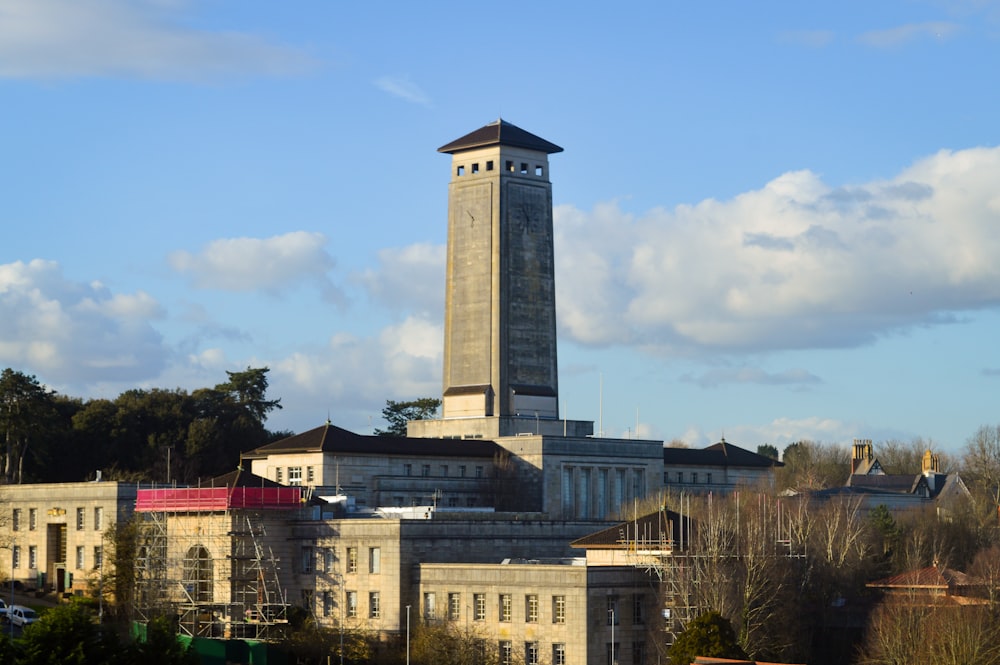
(911, 629)
(981, 467)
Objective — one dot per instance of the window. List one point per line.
(506, 653)
(310, 475)
(613, 617)
(680, 476)
(509, 165)
(539, 170)
(444, 470)
(307, 559)
(461, 471)
(694, 477)
(374, 605)
(198, 573)
(638, 653)
(558, 654)
(666, 477)
(475, 167)
(98, 518)
(558, 609)
(638, 483)
(460, 170)
(407, 469)
(327, 603)
(16, 556)
(374, 560)
(638, 601)
(708, 478)
(506, 607)
(32, 519)
(15, 522)
(352, 604)
(80, 518)
(454, 606)
(470, 502)
(352, 559)
(453, 502)
(531, 653)
(531, 608)
(425, 470)
(479, 472)
(524, 168)
(295, 475)
(479, 600)
(329, 559)
(489, 165)
(79, 557)
(430, 602)
(277, 474)
(32, 556)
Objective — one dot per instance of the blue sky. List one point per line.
(774, 221)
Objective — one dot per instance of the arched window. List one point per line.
(198, 574)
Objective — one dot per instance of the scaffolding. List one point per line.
(673, 547)
(205, 558)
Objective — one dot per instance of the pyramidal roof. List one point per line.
(500, 132)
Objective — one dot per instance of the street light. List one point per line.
(407, 635)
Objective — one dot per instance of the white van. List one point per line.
(22, 616)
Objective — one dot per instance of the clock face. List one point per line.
(472, 208)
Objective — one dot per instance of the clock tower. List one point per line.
(500, 369)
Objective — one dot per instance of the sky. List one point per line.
(774, 221)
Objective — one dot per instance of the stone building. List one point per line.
(54, 531)
(721, 467)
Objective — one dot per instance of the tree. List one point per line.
(67, 635)
(397, 414)
(248, 389)
(811, 465)
(161, 646)
(981, 466)
(710, 635)
(767, 450)
(446, 643)
(26, 409)
(908, 630)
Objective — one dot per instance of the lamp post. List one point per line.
(407, 635)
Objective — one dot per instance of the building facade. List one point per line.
(55, 531)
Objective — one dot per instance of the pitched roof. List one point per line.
(500, 132)
(660, 527)
(719, 454)
(932, 577)
(241, 478)
(329, 438)
(895, 482)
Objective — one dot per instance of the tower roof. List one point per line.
(500, 132)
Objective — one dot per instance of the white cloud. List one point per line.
(409, 278)
(797, 264)
(261, 264)
(72, 332)
(402, 87)
(903, 34)
(351, 377)
(753, 375)
(130, 38)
